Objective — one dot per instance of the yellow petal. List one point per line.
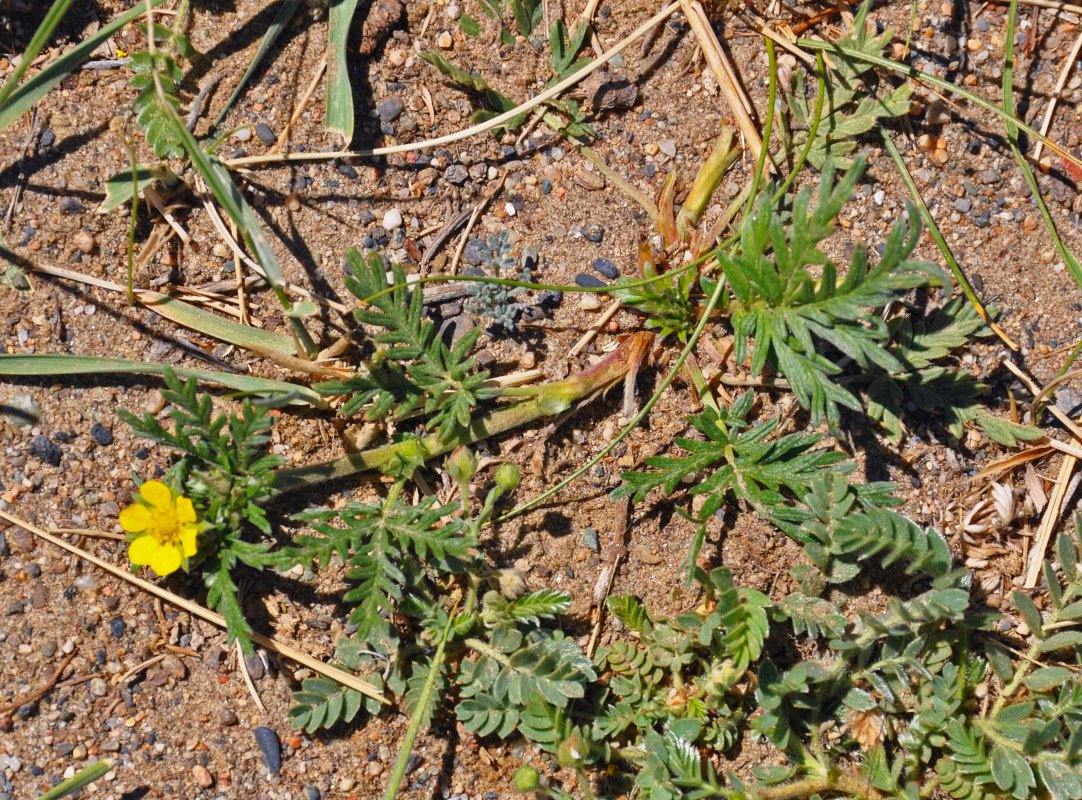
(142, 550)
(188, 539)
(185, 510)
(157, 494)
(135, 518)
(167, 559)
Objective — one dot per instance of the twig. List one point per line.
(22, 169)
(593, 330)
(266, 642)
(301, 105)
(155, 199)
(242, 666)
(131, 673)
(603, 584)
(473, 130)
(1049, 521)
(40, 692)
(1053, 4)
(197, 103)
(723, 70)
(1065, 73)
(109, 63)
(88, 532)
(481, 206)
(448, 230)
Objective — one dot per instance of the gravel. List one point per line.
(100, 434)
(389, 108)
(606, 268)
(271, 748)
(49, 452)
(264, 132)
(589, 281)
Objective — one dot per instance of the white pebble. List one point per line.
(879, 196)
(453, 11)
(392, 219)
(444, 41)
(668, 147)
(509, 208)
(590, 302)
(243, 135)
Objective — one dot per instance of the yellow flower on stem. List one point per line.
(166, 528)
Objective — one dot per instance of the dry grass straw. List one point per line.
(274, 646)
(1064, 74)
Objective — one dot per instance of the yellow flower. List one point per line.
(165, 526)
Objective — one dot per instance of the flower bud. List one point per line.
(511, 582)
(508, 477)
(527, 779)
(462, 464)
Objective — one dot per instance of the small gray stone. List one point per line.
(963, 204)
(70, 206)
(255, 667)
(22, 411)
(605, 267)
(588, 281)
(668, 147)
(389, 108)
(476, 252)
(271, 748)
(593, 233)
(48, 650)
(590, 541)
(454, 329)
(1068, 400)
(264, 132)
(312, 793)
(456, 174)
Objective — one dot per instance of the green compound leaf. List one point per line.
(322, 703)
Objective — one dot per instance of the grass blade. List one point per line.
(41, 36)
(80, 780)
(230, 198)
(339, 114)
(217, 327)
(24, 97)
(39, 364)
(278, 24)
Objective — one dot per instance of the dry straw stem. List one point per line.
(303, 659)
(724, 71)
(1065, 73)
(1048, 521)
(1052, 4)
(488, 125)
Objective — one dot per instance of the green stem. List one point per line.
(548, 400)
(624, 186)
(933, 229)
(835, 782)
(399, 772)
(1012, 138)
(772, 94)
(80, 780)
(706, 181)
(821, 69)
(584, 782)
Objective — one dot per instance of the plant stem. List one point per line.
(772, 94)
(546, 401)
(835, 782)
(394, 783)
(813, 131)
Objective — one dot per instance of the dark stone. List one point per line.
(589, 281)
(452, 330)
(593, 233)
(142, 454)
(650, 170)
(606, 268)
(27, 710)
(546, 186)
(47, 138)
(312, 793)
(118, 627)
(415, 760)
(70, 206)
(347, 171)
(552, 298)
(264, 132)
(387, 129)
(270, 746)
(389, 108)
(476, 252)
(270, 80)
(255, 667)
(367, 216)
(47, 451)
(100, 434)
(456, 174)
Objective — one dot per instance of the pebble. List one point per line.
(346, 784)
(476, 252)
(347, 171)
(453, 11)
(84, 241)
(23, 540)
(456, 174)
(201, 775)
(41, 447)
(593, 233)
(47, 138)
(78, 753)
(397, 57)
(48, 650)
(100, 434)
(312, 793)
(392, 219)
(668, 147)
(963, 204)
(590, 302)
(118, 627)
(174, 667)
(591, 541)
(589, 281)
(389, 108)
(155, 402)
(98, 687)
(243, 134)
(546, 186)
(227, 717)
(939, 113)
(271, 748)
(70, 206)
(264, 132)
(606, 268)
(22, 411)
(444, 41)
(374, 769)
(255, 667)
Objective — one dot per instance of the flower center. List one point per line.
(165, 527)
